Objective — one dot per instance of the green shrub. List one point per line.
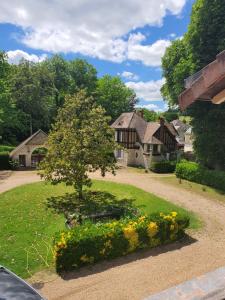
(4, 161)
(194, 172)
(163, 166)
(90, 243)
(4, 148)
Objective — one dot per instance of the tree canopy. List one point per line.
(32, 93)
(81, 141)
(204, 39)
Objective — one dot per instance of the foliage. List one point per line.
(164, 166)
(90, 243)
(194, 172)
(81, 141)
(114, 96)
(26, 206)
(4, 161)
(187, 56)
(6, 148)
(171, 114)
(150, 115)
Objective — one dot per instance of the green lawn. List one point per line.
(197, 188)
(27, 227)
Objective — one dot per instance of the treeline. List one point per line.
(32, 93)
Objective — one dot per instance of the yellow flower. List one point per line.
(174, 214)
(152, 229)
(108, 244)
(132, 237)
(142, 218)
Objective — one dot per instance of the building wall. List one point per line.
(188, 146)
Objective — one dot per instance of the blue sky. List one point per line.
(125, 38)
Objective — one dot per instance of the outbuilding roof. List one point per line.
(28, 141)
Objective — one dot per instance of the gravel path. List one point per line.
(140, 275)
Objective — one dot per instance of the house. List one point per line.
(206, 85)
(25, 152)
(143, 142)
(181, 129)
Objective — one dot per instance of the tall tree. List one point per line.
(81, 141)
(114, 96)
(33, 92)
(203, 41)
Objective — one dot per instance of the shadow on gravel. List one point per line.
(139, 255)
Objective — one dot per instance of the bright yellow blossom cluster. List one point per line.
(132, 236)
(152, 229)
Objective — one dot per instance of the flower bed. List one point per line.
(90, 243)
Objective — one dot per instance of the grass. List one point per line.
(4, 148)
(197, 188)
(27, 227)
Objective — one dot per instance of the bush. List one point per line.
(90, 243)
(163, 166)
(4, 148)
(4, 161)
(194, 172)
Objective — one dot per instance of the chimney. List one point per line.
(162, 121)
(140, 112)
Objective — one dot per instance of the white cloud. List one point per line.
(149, 90)
(151, 106)
(150, 55)
(129, 75)
(15, 56)
(95, 28)
(172, 35)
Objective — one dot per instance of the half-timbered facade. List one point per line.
(143, 142)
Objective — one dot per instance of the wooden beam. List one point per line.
(219, 98)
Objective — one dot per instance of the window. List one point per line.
(119, 153)
(119, 136)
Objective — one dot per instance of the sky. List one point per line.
(125, 38)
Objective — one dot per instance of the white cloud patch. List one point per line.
(151, 106)
(149, 90)
(94, 28)
(129, 75)
(14, 57)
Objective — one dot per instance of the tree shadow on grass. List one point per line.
(93, 202)
(139, 255)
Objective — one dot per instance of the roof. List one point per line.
(28, 140)
(131, 120)
(151, 128)
(207, 84)
(145, 130)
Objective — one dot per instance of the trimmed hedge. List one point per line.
(90, 243)
(194, 172)
(4, 148)
(4, 161)
(163, 166)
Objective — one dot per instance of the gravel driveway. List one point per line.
(139, 275)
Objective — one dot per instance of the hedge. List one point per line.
(4, 148)
(89, 243)
(4, 161)
(164, 166)
(194, 172)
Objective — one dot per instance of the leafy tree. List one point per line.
(114, 96)
(171, 114)
(33, 93)
(11, 120)
(81, 141)
(83, 76)
(150, 115)
(59, 68)
(176, 67)
(203, 41)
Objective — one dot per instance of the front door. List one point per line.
(22, 160)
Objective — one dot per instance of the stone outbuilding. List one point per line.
(25, 154)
